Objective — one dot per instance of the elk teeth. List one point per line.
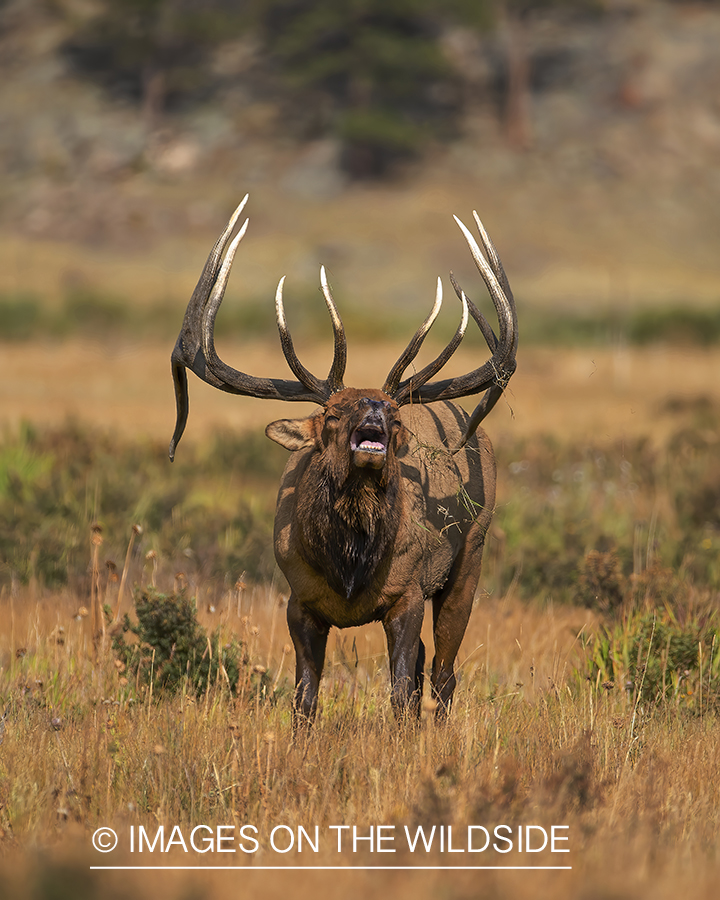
(371, 445)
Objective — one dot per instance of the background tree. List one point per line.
(371, 72)
(380, 76)
(514, 19)
(153, 51)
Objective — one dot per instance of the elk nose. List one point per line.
(376, 406)
(376, 410)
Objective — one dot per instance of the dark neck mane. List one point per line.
(350, 529)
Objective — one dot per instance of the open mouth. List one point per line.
(369, 439)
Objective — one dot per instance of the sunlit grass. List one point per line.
(588, 677)
(531, 741)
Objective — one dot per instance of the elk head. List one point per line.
(355, 429)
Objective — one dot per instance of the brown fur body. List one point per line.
(361, 543)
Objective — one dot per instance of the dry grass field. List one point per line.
(608, 470)
(530, 742)
(538, 736)
(595, 393)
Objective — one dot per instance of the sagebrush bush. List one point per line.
(173, 649)
(209, 511)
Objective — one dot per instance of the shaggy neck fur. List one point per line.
(351, 527)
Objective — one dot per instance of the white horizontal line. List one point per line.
(333, 868)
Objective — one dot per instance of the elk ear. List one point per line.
(294, 434)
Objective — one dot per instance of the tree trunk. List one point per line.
(518, 124)
(153, 103)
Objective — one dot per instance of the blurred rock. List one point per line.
(317, 173)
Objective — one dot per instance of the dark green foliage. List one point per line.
(676, 324)
(156, 52)
(370, 72)
(85, 312)
(173, 648)
(561, 327)
(578, 523)
(94, 313)
(564, 501)
(20, 317)
(698, 497)
(208, 512)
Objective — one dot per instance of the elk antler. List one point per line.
(493, 376)
(334, 380)
(195, 347)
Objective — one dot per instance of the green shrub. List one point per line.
(19, 316)
(666, 655)
(211, 510)
(173, 649)
(675, 324)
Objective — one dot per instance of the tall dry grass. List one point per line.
(531, 741)
(549, 726)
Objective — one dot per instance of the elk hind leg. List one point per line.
(451, 612)
(407, 657)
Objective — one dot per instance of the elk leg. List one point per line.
(420, 669)
(407, 657)
(309, 637)
(451, 613)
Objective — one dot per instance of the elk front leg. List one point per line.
(309, 637)
(407, 656)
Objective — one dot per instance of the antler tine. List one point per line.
(494, 392)
(493, 375)
(297, 368)
(195, 346)
(215, 298)
(504, 303)
(493, 258)
(489, 399)
(334, 381)
(186, 347)
(413, 348)
(406, 388)
(482, 323)
(214, 259)
(208, 277)
(497, 267)
(337, 370)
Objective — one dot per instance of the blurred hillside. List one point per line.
(587, 135)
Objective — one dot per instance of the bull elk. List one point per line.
(387, 497)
